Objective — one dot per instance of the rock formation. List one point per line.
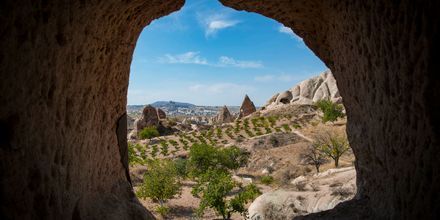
(308, 91)
(309, 194)
(223, 116)
(64, 80)
(247, 107)
(161, 114)
(149, 117)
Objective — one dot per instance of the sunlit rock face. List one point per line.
(64, 77)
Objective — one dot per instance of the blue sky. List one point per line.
(208, 54)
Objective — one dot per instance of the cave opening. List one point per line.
(189, 74)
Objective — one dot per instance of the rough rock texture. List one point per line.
(308, 91)
(64, 75)
(224, 116)
(247, 107)
(161, 114)
(317, 193)
(64, 69)
(149, 117)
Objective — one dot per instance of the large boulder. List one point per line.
(224, 116)
(247, 107)
(308, 91)
(149, 118)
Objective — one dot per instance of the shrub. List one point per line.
(266, 180)
(154, 150)
(181, 167)
(164, 148)
(213, 194)
(332, 111)
(148, 133)
(286, 127)
(162, 210)
(160, 182)
(342, 192)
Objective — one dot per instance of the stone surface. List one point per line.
(319, 192)
(308, 91)
(224, 116)
(161, 114)
(247, 107)
(64, 70)
(149, 117)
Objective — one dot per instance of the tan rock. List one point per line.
(149, 118)
(247, 107)
(224, 116)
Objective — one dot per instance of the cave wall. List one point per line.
(381, 54)
(64, 75)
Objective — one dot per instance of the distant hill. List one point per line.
(172, 104)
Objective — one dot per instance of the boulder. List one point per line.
(247, 107)
(149, 117)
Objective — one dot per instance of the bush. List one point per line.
(162, 210)
(286, 127)
(181, 167)
(274, 141)
(160, 182)
(148, 133)
(164, 148)
(266, 180)
(332, 111)
(213, 195)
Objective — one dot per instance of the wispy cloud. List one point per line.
(219, 88)
(283, 77)
(189, 57)
(215, 22)
(286, 30)
(192, 57)
(228, 61)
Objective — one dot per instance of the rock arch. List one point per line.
(64, 75)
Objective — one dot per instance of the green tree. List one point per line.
(160, 182)
(148, 133)
(204, 157)
(213, 194)
(332, 111)
(332, 145)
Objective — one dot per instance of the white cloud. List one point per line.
(225, 61)
(286, 30)
(213, 23)
(219, 88)
(189, 57)
(192, 57)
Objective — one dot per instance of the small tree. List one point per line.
(332, 145)
(314, 156)
(332, 111)
(160, 182)
(148, 133)
(213, 194)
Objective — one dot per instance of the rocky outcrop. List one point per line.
(223, 116)
(149, 117)
(308, 91)
(247, 107)
(161, 114)
(310, 194)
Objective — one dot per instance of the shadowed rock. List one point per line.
(247, 107)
